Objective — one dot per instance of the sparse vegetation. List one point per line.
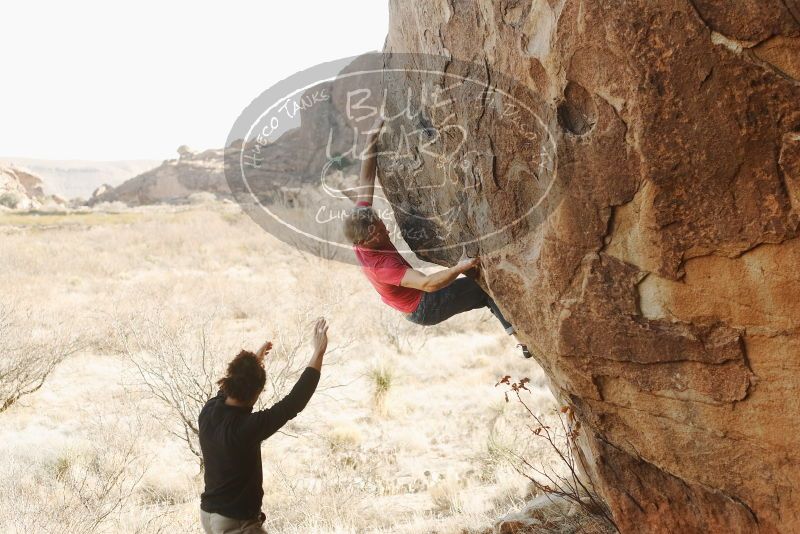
(28, 354)
(446, 496)
(344, 437)
(81, 491)
(566, 478)
(402, 335)
(178, 366)
(9, 200)
(178, 290)
(381, 376)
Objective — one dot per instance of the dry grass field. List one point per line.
(139, 309)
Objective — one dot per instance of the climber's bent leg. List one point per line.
(462, 295)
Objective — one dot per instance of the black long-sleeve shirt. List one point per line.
(230, 438)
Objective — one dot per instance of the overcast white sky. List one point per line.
(113, 80)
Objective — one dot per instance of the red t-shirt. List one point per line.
(385, 269)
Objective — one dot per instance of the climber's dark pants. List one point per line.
(462, 295)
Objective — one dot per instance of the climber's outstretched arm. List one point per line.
(436, 281)
(369, 167)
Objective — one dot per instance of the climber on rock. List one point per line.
(424, 299)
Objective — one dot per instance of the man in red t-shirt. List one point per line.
(425, 299)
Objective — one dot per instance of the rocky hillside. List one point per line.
(290, 162)
(172, 181)
(657, 283)
(79, 178)
(21, 189)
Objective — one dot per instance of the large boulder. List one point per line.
(659, 288)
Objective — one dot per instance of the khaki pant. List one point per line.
(219, 524)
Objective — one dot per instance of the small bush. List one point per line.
(62, 466)
(201, 198)
(177, 365)
(570, 480)
(382, 376)
(446, 496)
(344, 437)
(9, 200)
(26, 359)
(402, 335)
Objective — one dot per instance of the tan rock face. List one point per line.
(172, 181)
(22, 189)
(660, 292)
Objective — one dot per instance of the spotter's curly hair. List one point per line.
(244, 378)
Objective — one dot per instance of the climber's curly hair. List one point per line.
(245, 377)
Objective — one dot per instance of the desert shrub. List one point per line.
(116, 206)
(446, 496)
(403, 336)
(192, 260)
(569, 480)
(381, 376)
(177, 366)
(81, 491)
(202, 197)
(342, 499)
(288, 358)
(343, 437)
(9, 200)
(29, 352)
